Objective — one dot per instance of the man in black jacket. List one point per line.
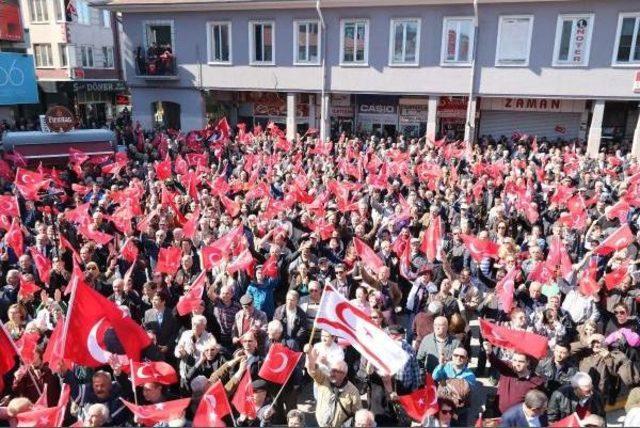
(558, 369)
(293, 321)
(579, 397)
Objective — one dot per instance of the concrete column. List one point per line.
(312, 111)
(291, 116)
(432, 118)
(470, 126)
(635, 148)
(584, 125)
(595, 129)
(325, 120)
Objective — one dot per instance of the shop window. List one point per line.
(573, 40)
(219, 41)
(262, 43)
(404, 41)
(354, 43)
(627, 48)
(43, 55)
(306, 42)
(457, 41)
(38, 11)
(514, 41)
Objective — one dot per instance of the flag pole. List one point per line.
(133, 382)
(15, 349)
(275, 399)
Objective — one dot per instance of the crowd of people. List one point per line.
(514, 233)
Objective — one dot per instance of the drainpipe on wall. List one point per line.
(324, 97)
(469, 129)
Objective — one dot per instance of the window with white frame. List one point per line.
(159, 33)
(86, 56)
(38, 11)
(107, 57)
(514, 40)
(84, 12)
(354, 43)
(306, 42)
(64, 59)
(262, 42)
(220, 42)
(106, 19)
(457, 40)
(404, 41)
(573, 40)
(59, 9)
(42, 53)
(627, 48)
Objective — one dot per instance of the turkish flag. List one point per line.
(193, 298)
(260, 191)
(520, 341)
(480, 249)
(541, 273)
(27, 288)
(219, 186)
(29, 183)
(214, 405)
(9, 206)
(94, 235)
(231, 207)
(92, 321)
(620, 210)
(270, 267)
(152, 371)
(163, 169)
(367, 255)
(152, 414)
(616, 276)
(505, 289)
(168, 260)
(143, 225)
(181, 166)
(558, 256)
(223, 127)
(431, 239)
(43, 265)
(212, 256)
(588, 282)
(421, 402)
(279, 364)
(48, 417)
(571, 421)
(129, 251)
(619, 239)
(43, 401)
(244, 262)
(77, 276)
(14, 239)
(79, 214)
(53, 353)
(243, 398)
(8, 353)
(26, 346)
(191, 226)
(77, 156)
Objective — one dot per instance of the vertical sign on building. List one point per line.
(10, 22)
(636, 83)
(580, 40)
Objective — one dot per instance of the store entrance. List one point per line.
(382, 130)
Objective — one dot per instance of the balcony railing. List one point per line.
(160, 67)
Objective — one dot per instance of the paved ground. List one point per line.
(478, 398)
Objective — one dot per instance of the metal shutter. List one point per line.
(542, 124)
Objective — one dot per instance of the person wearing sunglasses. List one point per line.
(443, 417)
(531, 413)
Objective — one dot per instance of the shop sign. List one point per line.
(413, 114)
(122, 100)
(115, 86)
(636, 83)
(341, 100)
(59, 119)
(10, 23)
(452, 107)
(259, 109)
(377, 109)
(17, 79)
(341, 111)
(533, 104)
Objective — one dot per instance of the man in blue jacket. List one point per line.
(531, 413)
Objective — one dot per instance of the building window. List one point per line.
(84, 12)
(60, 11)
(107, 57)
(627, 49)
(38, 11)
(86, 54)
(573, 40)
(219, 42)
(404, 42)
(514, 40)
(159, 34)
(106, 19)
(306, 42)
(354, 43)
(457, 41)
(43, 55)
(64, 60)
(262, 42)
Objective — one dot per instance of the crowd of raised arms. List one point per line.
(232, 277)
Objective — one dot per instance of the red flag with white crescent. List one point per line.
(520, 341)
(367, 255)
(214, 405)
(243, 398)
(9, 206)
(279, 364)
(14, 239)
(168, 260)
(8, 353)
(339, 317)
(50, 416)
(505, 290)
(153, 371)
(53, 353)
(192, 298)
(152, 414)
(616, 276)
(422, 402)
(571, 421)
(191, 226)
(619, 239)
(244, 262)
(43, 265)
(479, 249)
